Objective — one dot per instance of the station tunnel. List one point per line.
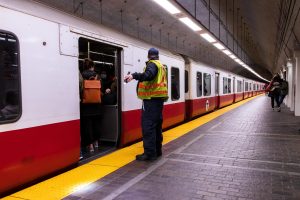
(227, 79)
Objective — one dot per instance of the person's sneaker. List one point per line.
(273, 109)
(145, 157)
(91, 148)
(278, 109)
(96, 144)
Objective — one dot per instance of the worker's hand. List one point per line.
(128, 78)
(107, 91)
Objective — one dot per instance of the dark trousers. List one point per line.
(281, 98)
(152, 126)
(277, 99)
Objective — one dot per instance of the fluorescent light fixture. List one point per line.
(219, 46)
(167, 6)
(237, 60)
(227, 52)
(232, 56)
(207, 37)
(192, 25)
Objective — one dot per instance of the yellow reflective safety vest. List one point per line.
(157, 87)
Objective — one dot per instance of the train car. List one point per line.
(200, 94)
(246, 88)
(42, 60)
(226, 94)
(255, 88)
(42, 52)
(238, 88)
(250, 91)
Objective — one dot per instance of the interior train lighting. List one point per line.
(208, 37)
(192, 25)
(167, 6)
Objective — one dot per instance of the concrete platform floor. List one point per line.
(250, 152)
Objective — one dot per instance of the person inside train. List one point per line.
(274, 91)
(11, 109)
(89, 112)
(89, 70)
(105, 81)
(110, 95)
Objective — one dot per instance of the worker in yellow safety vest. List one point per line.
(152, 89)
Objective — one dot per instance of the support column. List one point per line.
(297, 83)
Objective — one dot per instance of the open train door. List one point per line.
(100, 124)
(217, 90)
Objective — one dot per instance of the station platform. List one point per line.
(241, 152)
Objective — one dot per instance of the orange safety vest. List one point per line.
(157, 87)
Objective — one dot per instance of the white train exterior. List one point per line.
(45, 136)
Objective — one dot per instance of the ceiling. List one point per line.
(265, 31)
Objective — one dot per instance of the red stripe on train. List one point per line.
(226, 100)
(131, 121)
(238, 97)
(197, 107)
(34, 152)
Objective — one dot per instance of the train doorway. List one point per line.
(100, 122)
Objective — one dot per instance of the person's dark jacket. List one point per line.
(148, 75)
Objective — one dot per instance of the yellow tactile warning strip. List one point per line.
(76, 179)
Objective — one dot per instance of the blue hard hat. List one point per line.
(153, 52)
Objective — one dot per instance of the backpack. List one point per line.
(91, 91)
(284, 87)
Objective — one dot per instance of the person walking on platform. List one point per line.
(152, 89)
(275, 91)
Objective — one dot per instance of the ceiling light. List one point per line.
(207, 37)
(232, 56)
(219, 46)
(237, 60)
(227, 52)
(167, 6)
(190, 24)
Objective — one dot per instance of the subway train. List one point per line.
(41, 53)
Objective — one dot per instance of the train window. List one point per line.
(249, 86)
(10, 94)
(175, 86)
(246, 86)
(207, 84)
(225, 85)
(186, 81)
(199, 84)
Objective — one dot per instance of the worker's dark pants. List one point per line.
(152, 126)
